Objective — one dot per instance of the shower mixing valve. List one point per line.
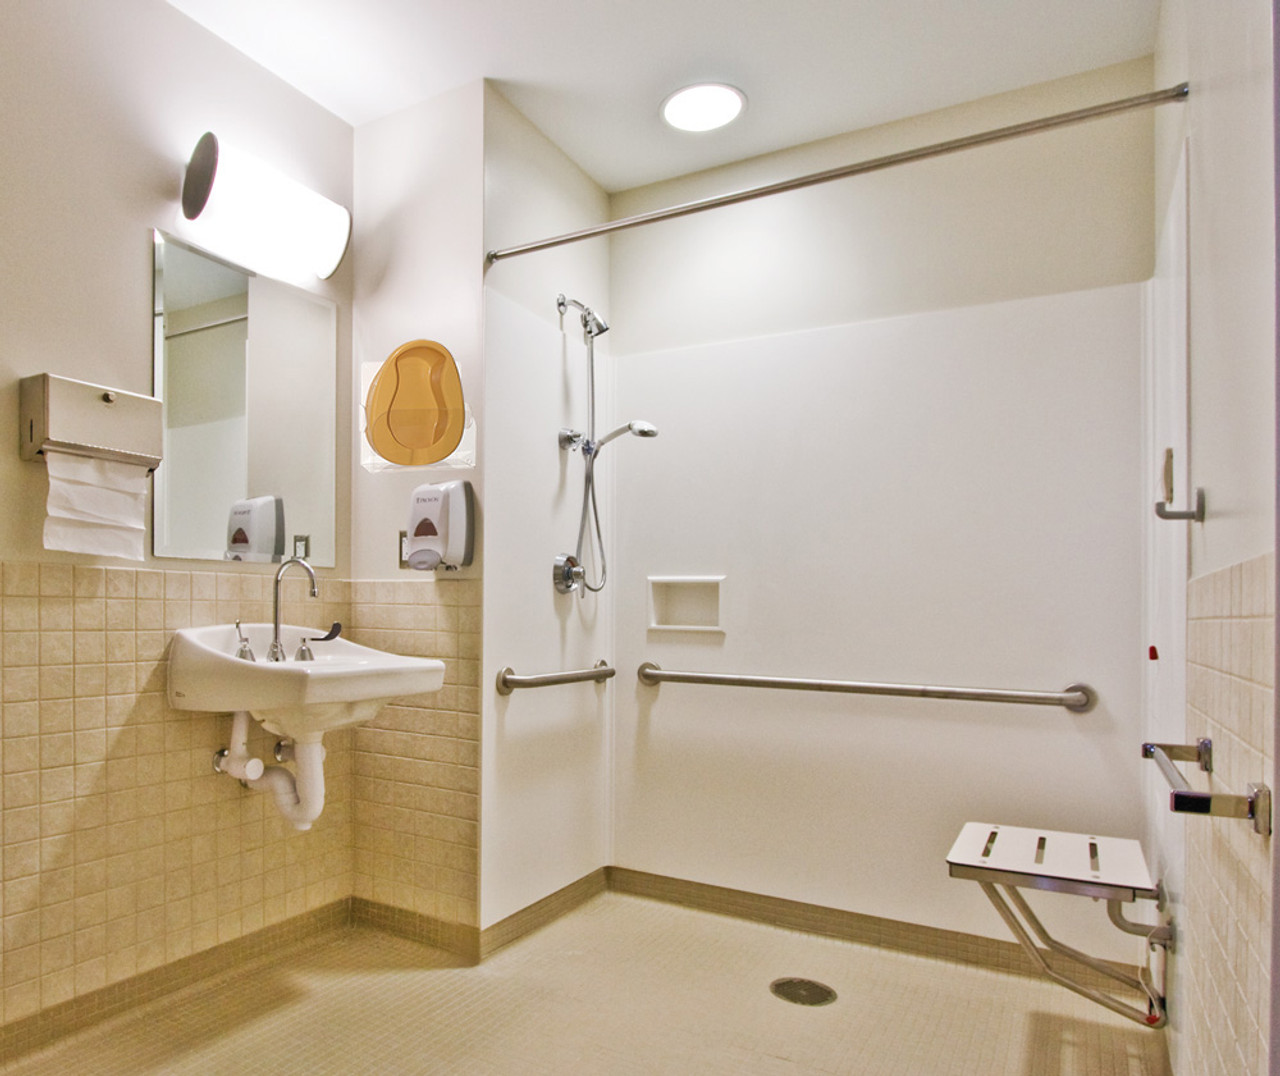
(570, 439)
(568, 573)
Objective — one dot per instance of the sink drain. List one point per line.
(803, 991)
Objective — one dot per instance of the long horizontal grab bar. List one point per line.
(1077, 697)
(1255, 805)
(508, 681)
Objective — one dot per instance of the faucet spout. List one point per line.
(276, 651)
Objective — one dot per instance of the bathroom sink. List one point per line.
(345, 684)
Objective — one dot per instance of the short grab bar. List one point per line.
(1078, 697)
(1255, 805)
(508, 681)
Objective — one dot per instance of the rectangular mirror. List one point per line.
(247, 370)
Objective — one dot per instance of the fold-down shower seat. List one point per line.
(1106, 868)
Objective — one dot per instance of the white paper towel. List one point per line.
(96, 506)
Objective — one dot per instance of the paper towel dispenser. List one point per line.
(88, 420)
(441, 526)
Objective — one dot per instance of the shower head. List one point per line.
(592, 323)
(638, 427)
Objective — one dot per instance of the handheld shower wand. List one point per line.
(637, 427)
(590, 450)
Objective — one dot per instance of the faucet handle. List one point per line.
(243, 652)
(304, 651)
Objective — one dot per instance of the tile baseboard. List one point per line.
(47, 1026)
(934, 943)
(542, 912)
(44, 1027)
(473, 945)
(462, 941)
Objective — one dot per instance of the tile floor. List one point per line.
(622, 985)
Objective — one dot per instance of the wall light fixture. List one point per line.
(247, 212)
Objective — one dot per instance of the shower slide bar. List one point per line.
(1079, 698)
(1255, 805)
(875, 164)
(508, 681)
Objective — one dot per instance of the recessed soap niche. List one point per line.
(685, 603)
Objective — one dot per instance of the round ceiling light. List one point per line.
(703, 107)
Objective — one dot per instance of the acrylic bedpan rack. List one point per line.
(1255, 805)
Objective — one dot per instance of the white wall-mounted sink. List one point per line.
(345, 684)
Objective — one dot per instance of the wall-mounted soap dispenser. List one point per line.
(441, 526)
(255, 530)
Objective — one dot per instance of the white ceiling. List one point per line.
(591, 74)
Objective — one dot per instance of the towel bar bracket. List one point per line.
(1254, 805)
(1200, 752)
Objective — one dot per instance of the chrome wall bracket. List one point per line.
(1255, 804)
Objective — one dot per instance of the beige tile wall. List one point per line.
(1224, 963)
(121, 851)
(417, 766)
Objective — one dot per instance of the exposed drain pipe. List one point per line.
(299, 795)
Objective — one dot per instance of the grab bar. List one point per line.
(508, 681)
(1078, 697)
(1255, 805)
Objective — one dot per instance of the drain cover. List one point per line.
(803, 991)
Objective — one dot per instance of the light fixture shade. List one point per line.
(703, 107)
(247, 212)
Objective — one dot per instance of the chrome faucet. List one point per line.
(276, 651)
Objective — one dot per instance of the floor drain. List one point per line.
(803, 991)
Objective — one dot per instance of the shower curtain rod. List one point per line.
(875, 164)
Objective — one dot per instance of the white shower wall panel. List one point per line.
(544, 785)
(544, 759)
(944, 498)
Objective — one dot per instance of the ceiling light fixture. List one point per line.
(245, 211)
(703, 107)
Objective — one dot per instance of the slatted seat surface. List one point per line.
(1113, 868)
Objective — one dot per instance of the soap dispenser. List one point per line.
(255, 530)
(441, 526)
